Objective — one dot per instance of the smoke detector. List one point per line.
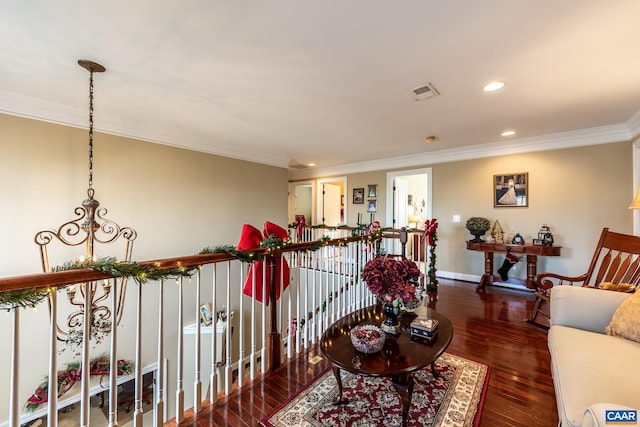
(425, 92)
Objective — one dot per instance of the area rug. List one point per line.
(455, 398)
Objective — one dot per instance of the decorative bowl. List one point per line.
(367, 338)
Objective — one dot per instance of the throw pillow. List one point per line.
(626, 320)
(621, 287)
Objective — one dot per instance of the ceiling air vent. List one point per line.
(424, 92)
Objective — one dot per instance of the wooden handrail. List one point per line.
(64, 278)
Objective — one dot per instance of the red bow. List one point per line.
(299, 224)
(430, 227)
(250, 239)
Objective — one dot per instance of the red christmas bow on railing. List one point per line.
(430, 227)
(250, 239)
(299, 223)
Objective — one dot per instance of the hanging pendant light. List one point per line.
(89, 228)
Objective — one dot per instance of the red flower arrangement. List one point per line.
(392, 279)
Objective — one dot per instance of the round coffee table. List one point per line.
(401, 355)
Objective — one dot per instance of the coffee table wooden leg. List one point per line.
(336, 373)
(404, 386)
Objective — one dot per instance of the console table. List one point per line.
(531, 251)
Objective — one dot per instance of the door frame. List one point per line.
(391, 194)
(318, 195)
(292, 196)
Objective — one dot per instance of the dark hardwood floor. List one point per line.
(489, 327)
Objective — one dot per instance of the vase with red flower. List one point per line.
(393, 282)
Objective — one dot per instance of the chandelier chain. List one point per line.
(90, 188)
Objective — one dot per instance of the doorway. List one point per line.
(301, 201)
(409, 195)
(330, 201)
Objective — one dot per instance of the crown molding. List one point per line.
(634, 124)
(556, 141)
(38, 109)
(51, 112)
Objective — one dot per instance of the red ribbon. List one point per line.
(430, 227)
(300, 223)
(250, 239)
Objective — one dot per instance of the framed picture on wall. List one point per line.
(358, 196)
(511, 190)
(373, 190)
(372, 206)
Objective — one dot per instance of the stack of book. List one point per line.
(424, 328)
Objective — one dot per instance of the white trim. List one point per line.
(556, 141)
(474, 279)
(634, 124)
(51, 112)
(394, 174)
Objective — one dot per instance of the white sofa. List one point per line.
(592, 371)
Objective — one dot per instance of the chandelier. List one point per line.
(89, 228)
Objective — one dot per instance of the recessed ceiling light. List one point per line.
(493, 86)
(430, 139)
(311, 165)
(508, 133)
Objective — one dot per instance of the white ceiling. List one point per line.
(329, 82)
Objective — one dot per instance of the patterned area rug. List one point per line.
(455, 398)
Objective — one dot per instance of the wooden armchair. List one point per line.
(615, 266)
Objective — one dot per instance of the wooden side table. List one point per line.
(531, 251)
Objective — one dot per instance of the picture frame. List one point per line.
(372, 206)
(511, 190)
(205, 314)
(372, 190)
(358, 196)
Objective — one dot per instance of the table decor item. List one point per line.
(393, 281)
(367, 338)
(477, 226)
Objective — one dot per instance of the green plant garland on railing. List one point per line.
(29, 298)
(431, 237)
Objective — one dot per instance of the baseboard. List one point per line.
(517, 284)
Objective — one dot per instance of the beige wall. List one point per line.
(178, 201)
(575, 191)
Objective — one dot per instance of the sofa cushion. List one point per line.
(626, 319)
(590, 368)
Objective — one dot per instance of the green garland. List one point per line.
(29, 298)
(71, 374)
(432, 285)
(129, 269)
(22, 298)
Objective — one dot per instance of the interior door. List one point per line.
(400, 202)
(331, 204)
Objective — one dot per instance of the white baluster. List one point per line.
(197, 384)
(180, 360)
(160, 390)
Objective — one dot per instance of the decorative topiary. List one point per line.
(477, 226)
